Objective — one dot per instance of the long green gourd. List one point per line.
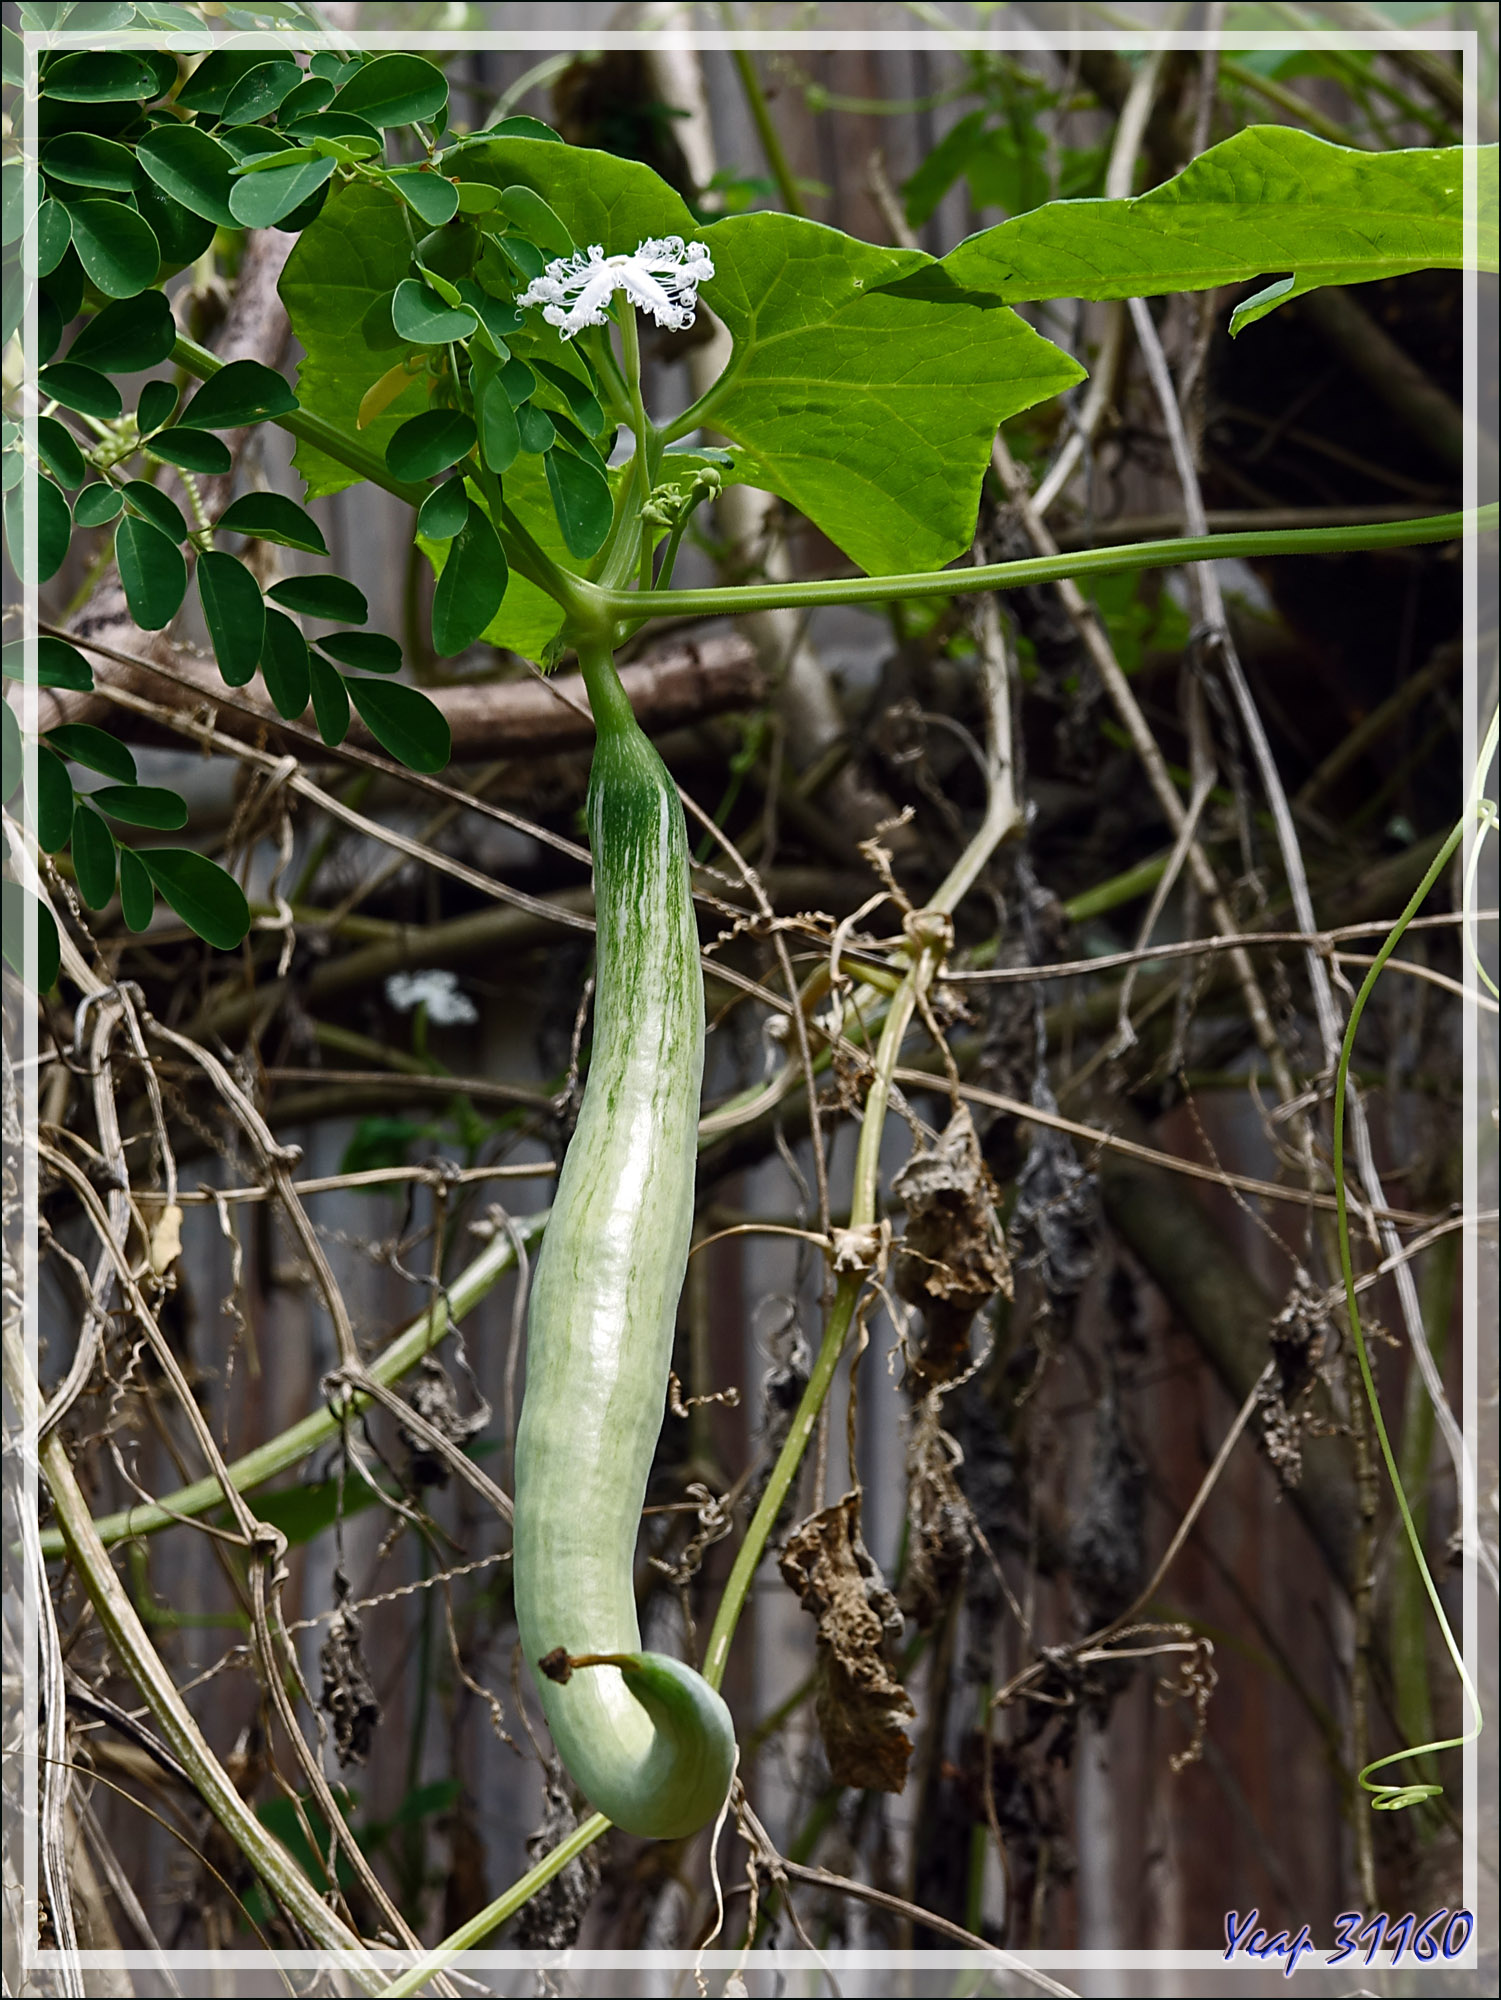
(645, 1738)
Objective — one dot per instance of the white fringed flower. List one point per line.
(436, 990)
(661, 276)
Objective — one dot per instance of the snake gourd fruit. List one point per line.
(646, 1739)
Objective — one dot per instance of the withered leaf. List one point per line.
(952, 1256)
(861, 1707)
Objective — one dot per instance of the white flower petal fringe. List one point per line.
(661, 277)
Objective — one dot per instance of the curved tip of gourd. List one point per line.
(693, 1760)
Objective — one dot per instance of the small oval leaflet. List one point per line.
(193, 450)
(472, 586)
(59, 665)
(152, 571)
(536, 220)
(208, 901)
(54, 801)
(421, 317)
(83, 743)
(435, 199)
(128, 335)
(93, 857)
(332, 597)
(141, 497)
(17, 907)
(192, 168)
(395, 90)
(371, 652)
(234, 613)
(242, 392)
(99, 77)
(404, 722)
(82, 389)
(284, 665)
(137, 897)
(96, 505)
(158, 401)
(330, 701)
(444, 511)
(272, 517)
(260, 201)
(86, 160)
(59, 451)
(142, 805)
(429, 443)
(116, 247)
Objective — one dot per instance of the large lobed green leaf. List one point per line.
(1271, 200)
(872, 411)
(337, 287)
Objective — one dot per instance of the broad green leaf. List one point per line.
(873, 413)
(54, 529)
(332, 597)
(435, 199)
(79, 388)
(152, 571)
(596, 197)
(1270, 200)
(59, 452)
(372, 652)
(336, 286)
(54, 232)
(430, 443)
(330, 701)
(158, 401)
(159, 508)
(54, 801)
(422, 319)
(111, 77)
(11, 755)
(137, 896)
(93, 856)
(272, 517)
(83, 743)
(242, 392)
(192, 168)
(84, 159)
(142, 805)
(284, 665)
(259, 92)
(471, 587)
(395, 90)
(208, 901)
(127, 336)
(116, 247)
(259, 201)
(581, 500)
(194, 451)
(444, 511)
(234, 613)
(96, 505)
(19, 911)
(404, 722)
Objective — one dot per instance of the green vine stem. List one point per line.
(1393, 1797)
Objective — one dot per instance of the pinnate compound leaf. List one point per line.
(284, 665)
(892, 474)
(235, 614)
(1269, 200)
(404, 722)
(272, 517)
(209, 902)
(152, 571)
(471, 587)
